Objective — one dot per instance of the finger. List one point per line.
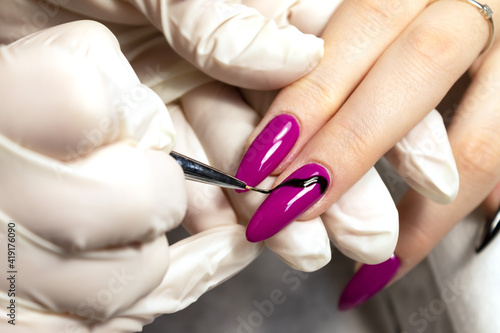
(207, 206)
(118, 195)
(355, 37)
(363, 223)
(94, 285)
(222, 121)
(78, 122)
(423, 158)
(303, 246)
(475, 142)
(199, 263)
(297, 13)
(67, 118)
(203, 32)
(372, 120)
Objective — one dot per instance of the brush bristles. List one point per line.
(250, 188)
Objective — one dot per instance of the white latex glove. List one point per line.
(88, 192)
(363, 224)
(227, 40)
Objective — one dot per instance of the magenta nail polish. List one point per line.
(268, 149)
(288, 201)
(367, 281)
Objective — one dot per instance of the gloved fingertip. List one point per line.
(304, 246)
(146, 119)
(364, 223)
(424, 159)
(260, 56)
(436, 178)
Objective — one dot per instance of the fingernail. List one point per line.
(288, 201)
(367, 281)
(268, 150)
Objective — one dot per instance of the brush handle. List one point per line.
(200, 172)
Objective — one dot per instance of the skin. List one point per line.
(475, 140)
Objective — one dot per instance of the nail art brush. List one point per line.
(491, 229)
(200, 172)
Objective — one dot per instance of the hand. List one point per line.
(221, 38)
(89, 190)
(475, 141)
(363, 223)
(386, 65)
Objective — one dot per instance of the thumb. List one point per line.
(83, 126)
(230, 41)
(93, 96)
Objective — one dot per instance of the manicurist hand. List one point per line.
(254, 44)
(89, 190)
(221, 38)
(387, 64)
(95, 169)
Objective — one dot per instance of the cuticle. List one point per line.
(293, 116)
(328, 171)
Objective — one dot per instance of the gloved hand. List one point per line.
(122, 286)
(233, 41)
(89, 190)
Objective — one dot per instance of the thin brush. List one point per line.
(200, 172)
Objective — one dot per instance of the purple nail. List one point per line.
(367, 281)
(268, 150)
(288, 201)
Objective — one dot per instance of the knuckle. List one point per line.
(321, 89)
(91, 32)
(354, 137)
(384, 11)
(437, 48)
(478, 155)
(379, 19)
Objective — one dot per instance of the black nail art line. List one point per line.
(491, 230)
(297, 182)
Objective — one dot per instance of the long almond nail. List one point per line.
(288, 201)
(268, 149)
(368, 281)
